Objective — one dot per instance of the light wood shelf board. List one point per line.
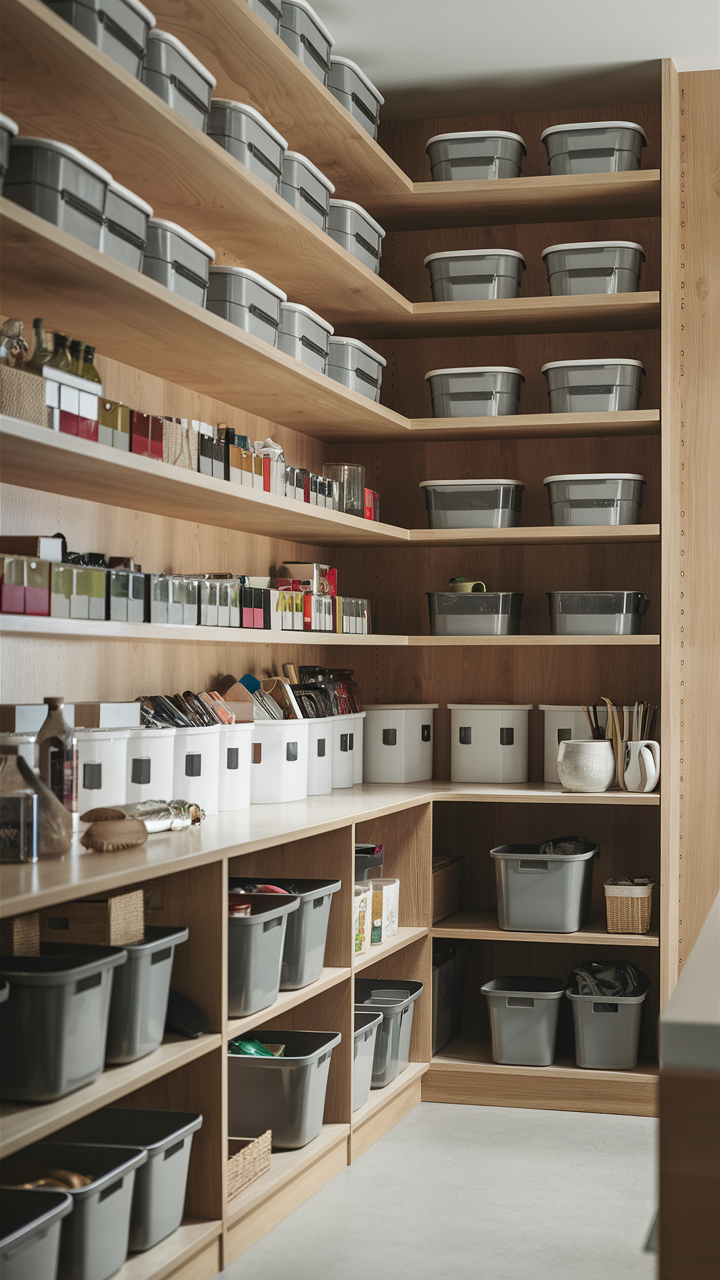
(285, 1167)
(504, 642)
(403, 938)
(380, 1098)
(167, 1259)
(539, 535)
(538, 426)
(484, 925)
(24, 1123)
(287, 1000)
(465, 1052)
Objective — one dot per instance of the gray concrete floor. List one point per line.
(491, 1193)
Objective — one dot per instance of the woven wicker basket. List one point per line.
(248, 1159)
(628, 907)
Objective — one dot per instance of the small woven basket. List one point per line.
(248, 1159)
(628, 907)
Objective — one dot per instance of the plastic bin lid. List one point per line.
(65, 149)
(593, 244)
(348, 62)
(303, 4)
(182, 49)
(350, 204)
(157, 936)
(298, 158)
(468, 484)
(535, 988)
(130, 196)
(8, 124)
(121, 1157)
(531, 852)
(593, 124)
(595, 364)
(194, 730)
(599, 475)
(100, 735)
(60, 963)
(403, 706)
(144, 13)
(543, 706)
(24, 1212)
(475, 253)
(365, 1020)
(312, 315)
(254, 114)
(489, 706)
(247, 274)
(477, 133)
(184, 235)
(355, 342)
(483, 368)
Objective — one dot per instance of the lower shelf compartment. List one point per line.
(385, 1107)
(483, 925)
(287, 1000)
(190, 1253)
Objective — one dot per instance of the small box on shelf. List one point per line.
(20, 935)
(248, 1160)
(111, 920)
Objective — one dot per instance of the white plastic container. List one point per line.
(178, 77)
(279, 769)
(320, 756)
(597, 266)
(348, 83)
(102, 767)
(119, 28)
(176, 258)
(246, 299)
(355, 365)
(359, 731)
(247, 136)
(302, 31)
(489, 742)
(398, 744)
(603, 146)
(306, 188)
(486, 153)
(150, 764)
(123, 235)
(354, 229)
(563, 724)
(196, 766)
(346, 745)
(235, 756)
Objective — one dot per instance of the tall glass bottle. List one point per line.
(76, 356)
(41, 352)
(60, 358)
(54, 822)
(88, 366)
(58, 756)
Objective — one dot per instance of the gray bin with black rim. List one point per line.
(158, 1200)
(467, 275)
(352, 227)
(596, 613)
(247, 136)
(601, 266)
(395, 999)
(473, 504)
(304, 335)
(119, 28)
(30, 1224)
(364, 1037)
(608, 498)
(356, 366)
(287, 1094)
(124, 233)
(176, 258)
(306, 188)
(593, 386)
(605, 146)
(255, 953)
(302, 31)
(60, 184)
(486, 153)
(178, 77)
(482, 391)
(306, 930)
(607, 1029)
(8, 131)
(348, 83)
(141, 989)
(448, 990)
(268, 11)
(544, 892)
(246, 299)
(523, 1019)
(475, 613)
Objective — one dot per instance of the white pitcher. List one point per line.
(641, 768)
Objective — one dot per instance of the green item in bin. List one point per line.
(249, 1048)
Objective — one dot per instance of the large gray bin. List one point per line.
(8, 131)
(473, 504)
(593, 386)
(255, 952)
(605, 498)
(124, 233)
(607, 1031)
(60, 184)
(543, 893)
(596, 613)
(487, 153)
(268, 11)
(304, 335)
(30, 1223)
(475, 613)
(138, 1006)
(364, 1037)
(395, 999)
(54, 1024)
(286, 1095)
(484, 391)
(356, 366)
(178, 260)
(601, 266)
(348, 83)
(306, 929)
(605, 146)
(303, 32)
(159, 1197)
(448, 990)
(246, 299)
(306, 188)
(178, 77)
(119, 28)
(468, 275)
(245, 134)
(352, 227)
(523, 1019)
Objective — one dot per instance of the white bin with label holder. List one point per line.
(489, 742)
(150, 763)
(196, 766)
(347, 747)
(235, 756)
(320, 756)
(279, 768)
(398, 743)
(102, 766)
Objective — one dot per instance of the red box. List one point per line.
(68, 423)
(155, 439)
(369, 512)
(87, 428)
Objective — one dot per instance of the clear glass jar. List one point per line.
(54, 822)
(351, 478)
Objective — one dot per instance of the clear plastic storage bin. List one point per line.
(304, 335)
(124, 232)
(348, 83)
(596, 613)
(302, 31)
(178, 260)
(489, 742)
(247, 136)
(523, 1019)
(279, 770)
(473, 504)
(600, 266)
(352, 227)
(543, 892)
(119, 28)
(604, 146)
(60, 184)
(287, 1094)
(30, 1232)
(475, 613)
(395, 999)
(364, 1037)
(306, 188)
(246, 299)
(487, 153)
(178, 77)
(593, 386)
(468, 275)
(398, 744)
(481, 392)
(141, 988)
(600, 499)
(356, 366)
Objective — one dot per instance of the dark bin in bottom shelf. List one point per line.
(159, 1196)
(449, 964)
(284, 1094)
(140, 994)
(30, 1223)
(395, 999)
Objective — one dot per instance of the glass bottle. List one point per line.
(76, 356)
(54, 821)
(88, 366)
(58, 756)
(60, 358)
(41, 352)
(13, 347)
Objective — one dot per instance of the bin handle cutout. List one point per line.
(110, 1191)
(84, 984)
(257, 753)
(314, 53)
(519, 1002)
(272, 924)
(173, 1150)
(186, 92)
(116, 31)
(159, 956)
(526, 865)
(82, 206)
(314, 204)
(605, 1008)
(263, 159)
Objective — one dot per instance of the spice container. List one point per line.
(306, 188)
(178, 77)
(249, 137)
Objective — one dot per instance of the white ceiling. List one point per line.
(451, 57)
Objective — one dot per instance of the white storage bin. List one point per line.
(359, 746)
(176, 258)
(102, 767)
(489, 742)
(564, 724)
(196, 766)
(304, 335)
(355, 366)
(603, 146)
(150, 765)
(320, 756)
(398, 743)
(352, 227)
(178, 77)
(245, 134)
(246, 299)
(279, 769)
(303, 32)
(306, 188)
(347, 744)
(117, 27)
(235, 756)
(123, 235)
(487, 153)
(348, 83)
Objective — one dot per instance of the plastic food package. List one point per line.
(361, 920)
(385, 910)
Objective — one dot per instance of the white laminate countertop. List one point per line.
(690, 1025)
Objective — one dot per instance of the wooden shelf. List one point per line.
(285, 1167)
(23, 1123)
(380, 1098)
(385, 1107)
(287, 1000)
(484, 925)
(191, 1238)
(465, 642)
(403, 938)
(537, 426)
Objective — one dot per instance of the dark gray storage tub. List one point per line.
(364, 1037)
(304, 335)
(448, 990)
(246, 299)
(395, 999)
(306, 930)
(605, 146)
(303, 32)
(58, 183)
(356, 366)
(140, 994)
(599, 266)
(54, 1025)
(544, 893)
(178, 260)
(255, 952)
(249, 137)
(607, 1029)
(605, 498)
(124, 233)
(348, 83)
(159, 1196)
(483, 391)
(596, 613)
(8, 131)
(119, 28)
(466, 275)
(523, 1019)
(486, 153)
(30, 1223)
(352, 227)
(475, 613)
(286, 1095)
(306, 188)
(473, 504)
(268, 11)
(178, 77)
(593, 386)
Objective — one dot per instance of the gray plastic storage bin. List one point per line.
(286, 1095)
(159, 1196)
(119, 28)
(124, 232)
(599, 499)
(448, 990)
(268, 11)
(58, 183)
(473, 504)
(306, 188)
(255, 952)
(600, 266)
(178, 77)
(475, 613)
(140, 994)
(178, 260)
(348, 83)
(246, 299)
(30, 1223)
(305, 335)
(306, 929)
(365, 1032)
(8, 131)
(523, 1019)
(593, 386)
(607, 1031)
(543, 893)
(596, 613)
(605, 146)
(352, 227)
(485, 391)
(249, 137)
(395, 999)
(467, 275)
(356, 366)
(303, 32)
(488, 153)
(54, 1024)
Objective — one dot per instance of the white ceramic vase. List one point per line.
(586, 764)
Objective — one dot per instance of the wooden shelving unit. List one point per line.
(484, 925)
